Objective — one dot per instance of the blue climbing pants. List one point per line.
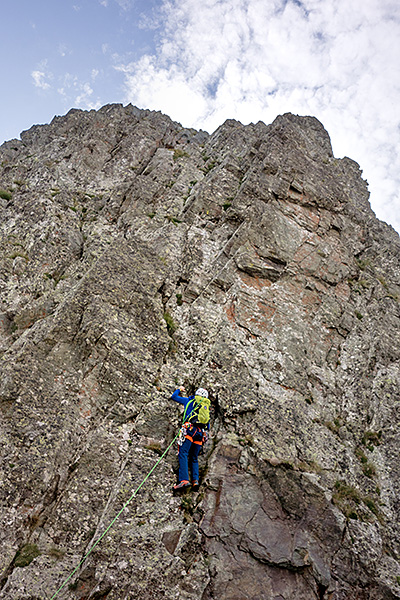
(189, 456)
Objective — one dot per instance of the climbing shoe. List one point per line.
(181, 485)
(195, 485)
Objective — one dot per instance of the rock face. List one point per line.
(137, 255)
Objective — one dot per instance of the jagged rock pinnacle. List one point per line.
(137, 255)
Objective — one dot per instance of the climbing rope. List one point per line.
(115, 518)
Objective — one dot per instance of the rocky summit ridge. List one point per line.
(137, 255)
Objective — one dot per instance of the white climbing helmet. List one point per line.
(202, 392)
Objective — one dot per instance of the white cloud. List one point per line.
(150, 21)
(39, 80)
(68, 82)
(78, 93)
(41, 76)
(84, 97)
(63, 50)
(125, 4)
(254, 59)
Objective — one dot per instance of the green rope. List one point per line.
(113, 521)
(185, 418)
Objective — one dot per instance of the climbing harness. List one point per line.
(115, 518)
(182, 434)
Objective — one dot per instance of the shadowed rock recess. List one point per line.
(137, 255)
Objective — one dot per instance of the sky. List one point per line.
(204, 61)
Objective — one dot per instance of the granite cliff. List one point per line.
(137, 255)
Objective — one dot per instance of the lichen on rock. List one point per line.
(137, 255)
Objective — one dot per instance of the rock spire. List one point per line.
(137, 255)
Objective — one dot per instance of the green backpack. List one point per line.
(201, 410)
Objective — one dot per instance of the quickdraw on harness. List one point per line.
(188, 431)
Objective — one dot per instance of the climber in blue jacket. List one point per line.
(196, 424)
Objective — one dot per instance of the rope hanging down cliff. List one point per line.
(185, 417)
(115, 518)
